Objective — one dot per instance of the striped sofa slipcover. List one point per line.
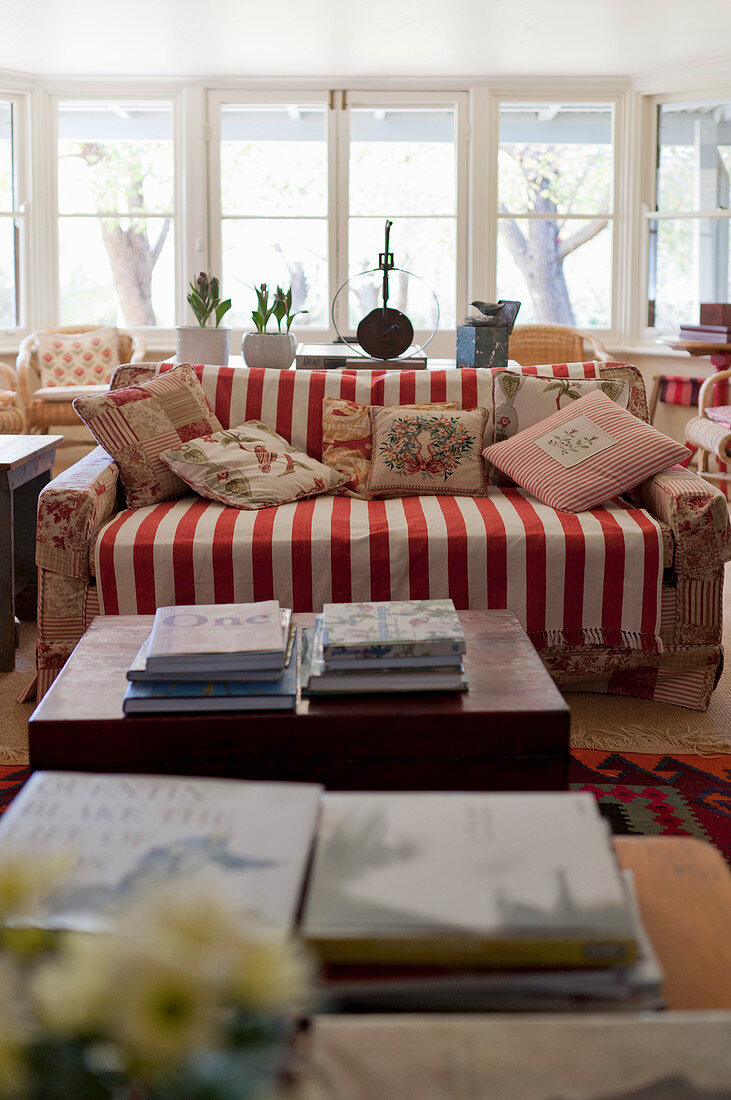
(625, 598)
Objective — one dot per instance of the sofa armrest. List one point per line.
(71, 509)
(696, 513)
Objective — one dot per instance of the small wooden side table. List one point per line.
(25, 467)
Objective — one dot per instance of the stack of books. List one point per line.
(474, 902)
(714, 326)
(215, 657)
(347, 357)
(395, 645)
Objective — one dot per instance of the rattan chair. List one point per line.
(530, 345)
(710, 430)
(46, 408)
(12, 413)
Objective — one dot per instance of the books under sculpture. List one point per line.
(503, 880)
(346, 357)
(250, 839)
(396, 645)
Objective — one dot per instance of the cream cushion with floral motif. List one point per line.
(521, 400)
(347, 441)
(77, 359)
(249, 466)
(136, 423)
(434, 452)
(585, 454)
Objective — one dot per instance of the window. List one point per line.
(556, 211)
(689, 229)
(274, 206)
(301, 187)
(10, 217)
(116, 212)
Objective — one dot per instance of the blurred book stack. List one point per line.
(394, 645)
(714, 326)
(215, 657)
(473, 902)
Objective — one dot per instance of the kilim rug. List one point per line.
(640, 794)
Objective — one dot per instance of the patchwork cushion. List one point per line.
(347, 442)
(77, 359)
(427, 452)
(250, 466)
(585, 454)
(135, 424)
(521, 400)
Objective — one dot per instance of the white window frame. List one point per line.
(338, 102)
(20, 213)
(618, 216)
(648, 197)
(153, 335)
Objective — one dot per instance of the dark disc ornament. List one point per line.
(385, 333)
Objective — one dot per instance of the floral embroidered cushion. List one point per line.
(585, 454)
(249, 466)
(77, 359)
(347, 442)
(136, 423)
(427, 452)
(521, 400)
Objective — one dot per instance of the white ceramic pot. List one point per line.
(202, 345)
(269, 349)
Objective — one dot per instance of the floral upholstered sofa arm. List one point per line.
(71, 509)
(696, 513)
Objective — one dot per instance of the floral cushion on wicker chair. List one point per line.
(77, 359)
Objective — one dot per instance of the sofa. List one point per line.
(625, 598)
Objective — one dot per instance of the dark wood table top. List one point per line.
(509, 731)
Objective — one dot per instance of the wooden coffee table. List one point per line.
(510, 731)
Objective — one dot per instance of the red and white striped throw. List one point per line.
(588, 579)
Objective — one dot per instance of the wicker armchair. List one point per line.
(710, 430)
(12, 413)
(49, 407)
(533, 344)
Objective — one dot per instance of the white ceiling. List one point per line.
(362, 38)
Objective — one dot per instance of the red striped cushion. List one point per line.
(584, 454)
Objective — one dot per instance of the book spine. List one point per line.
(322, 362)
(474, 950)
(715, 335)
(385, 650)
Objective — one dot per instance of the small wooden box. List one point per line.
(482, 346)
(715, 313)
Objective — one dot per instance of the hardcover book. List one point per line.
(131, 832)
(138, 671)
(216, 637)
(318, 679)
(393, 628)
(201, 696)
(504, 880)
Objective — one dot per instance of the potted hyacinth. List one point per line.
(183, 1000)
(271, 349)
(205, 342)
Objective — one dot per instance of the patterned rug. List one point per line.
(639, 794)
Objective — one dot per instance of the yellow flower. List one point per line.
(27, 878)
(160, 1012)
(73, 989)
(271, 973)
(12, 1076)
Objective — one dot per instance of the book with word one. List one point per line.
(220, 638)
(506, 879)
(391, 628)
(129, 833)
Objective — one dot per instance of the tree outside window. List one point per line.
(555, 212)
(116, 213)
